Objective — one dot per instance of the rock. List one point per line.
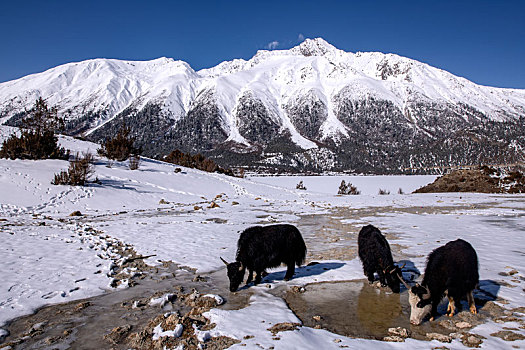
(508, 335)
(462, 325)
(76, 213)
(472, 341)
(512, 272)
(82, 305)
(337, 340)
(284, 326)
(118, 334)
(163, 201)
(297, 289)
(37, 326)
(199, 278)
(177, 170)
(394, 338)
(317, 318)
(213, 205)
(439, 337)
(235, 203)
(399, 331)
(196, 207)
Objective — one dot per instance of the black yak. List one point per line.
(262, 247)
(376, 256)
(451, 270)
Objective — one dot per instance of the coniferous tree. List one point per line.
(120, 147)
(37, 138)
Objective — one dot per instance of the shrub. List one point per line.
(120, 147)
(197, 161)
(80, 170)
(383, 192)
(300, 186)
(134, 162)
(37, 139)
(345, 188)
(400, 191)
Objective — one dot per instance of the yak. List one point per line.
(376, 256)
(451, 270)
(262, 247)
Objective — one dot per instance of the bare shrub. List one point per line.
(345, 188)
(400, 191)
(383, 192)
(241, 173)
(134, 162)
(80, 170)
(197, 161)
(300, 186)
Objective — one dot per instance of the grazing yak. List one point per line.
(262, 247)
(451, 270)
(376, 256)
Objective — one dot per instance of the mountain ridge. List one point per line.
(312, 97)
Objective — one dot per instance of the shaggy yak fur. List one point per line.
(376, 256)
(262, 247)
(451, 269)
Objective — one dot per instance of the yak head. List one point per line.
(420, 303)
(419, 300)
(235, 274)
(392, 276)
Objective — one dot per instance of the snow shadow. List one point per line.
(410, 272)
(312, 269)
(487, 291)
(118, 185)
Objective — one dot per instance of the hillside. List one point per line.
(138, 265)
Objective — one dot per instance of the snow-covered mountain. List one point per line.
(312, 107)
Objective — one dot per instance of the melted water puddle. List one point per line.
(355, 309)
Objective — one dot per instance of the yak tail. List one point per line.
(300, 253)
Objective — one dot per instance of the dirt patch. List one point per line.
(483, 180)
(508, 335)
(128, 318)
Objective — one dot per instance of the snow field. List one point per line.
(49, 257)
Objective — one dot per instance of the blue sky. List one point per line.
(483, 41)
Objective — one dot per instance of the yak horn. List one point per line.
(404, 282)
(224, 261)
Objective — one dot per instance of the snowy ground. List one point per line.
(49, 257)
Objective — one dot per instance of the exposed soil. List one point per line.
(482, 180)
(127, 318)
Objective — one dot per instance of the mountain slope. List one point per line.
(313, 107)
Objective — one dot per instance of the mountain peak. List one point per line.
(313, 47)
